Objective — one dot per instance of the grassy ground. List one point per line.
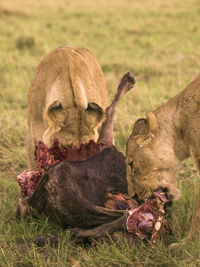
(159, 42)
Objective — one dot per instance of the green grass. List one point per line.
(159, 42)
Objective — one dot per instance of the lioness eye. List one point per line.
(131, 168)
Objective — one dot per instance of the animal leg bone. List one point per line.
(106, 134)
(102, 230)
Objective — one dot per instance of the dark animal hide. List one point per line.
(72, 193)
(85, 188)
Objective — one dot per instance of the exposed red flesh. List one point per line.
(146, 221)
(48, 156)
(28, 181)
(45, 157)
(119, 201)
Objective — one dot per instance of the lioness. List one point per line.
(66, 100)
(160, 142)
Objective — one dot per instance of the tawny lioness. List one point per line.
(160, 142)
(66, 100)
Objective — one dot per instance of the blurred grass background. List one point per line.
(159, 42)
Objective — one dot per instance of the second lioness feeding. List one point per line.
(160, 142)
(90, 192)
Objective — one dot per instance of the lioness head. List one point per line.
(151, 161)
(66, 100)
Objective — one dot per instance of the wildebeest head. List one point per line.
(151, 162)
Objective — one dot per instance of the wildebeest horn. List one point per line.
(106, 134)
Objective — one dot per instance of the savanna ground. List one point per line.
(159, 42)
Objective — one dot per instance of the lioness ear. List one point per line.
(55, 113)
(54, 106)
(152, 125)
(149, 131)
(94, 114)
(140, 127)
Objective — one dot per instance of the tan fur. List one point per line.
(66, 100)
(159, 143)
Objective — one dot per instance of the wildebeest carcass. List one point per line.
(84, 188)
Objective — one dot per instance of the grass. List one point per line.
(159, 42)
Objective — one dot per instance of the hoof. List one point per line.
(45, 240)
